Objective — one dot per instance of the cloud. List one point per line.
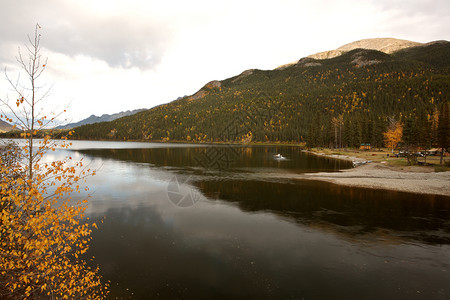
(135, 33)
(122, 40)
(117, 40)
(431, 8)
(418, 20)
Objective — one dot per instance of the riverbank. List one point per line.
(382, 175)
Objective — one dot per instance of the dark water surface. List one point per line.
(216, 222)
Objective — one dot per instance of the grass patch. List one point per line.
(439, 168)
(398, 162)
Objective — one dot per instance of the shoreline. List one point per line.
(372, 174)
(379, 175)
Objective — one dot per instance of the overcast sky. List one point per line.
(105, 56)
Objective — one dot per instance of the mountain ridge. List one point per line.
(103, 118)
(385, 45)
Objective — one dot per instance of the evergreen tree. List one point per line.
(443, 130)
(411, 139)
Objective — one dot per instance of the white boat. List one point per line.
(279, 156)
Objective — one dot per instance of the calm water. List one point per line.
(189, 222)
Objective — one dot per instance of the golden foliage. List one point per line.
(393, 135)
(43, 232)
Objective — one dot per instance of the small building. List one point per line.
(433, 151)
(364, 146)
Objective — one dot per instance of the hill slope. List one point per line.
(314, 101)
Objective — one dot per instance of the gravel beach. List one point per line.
(380, 176)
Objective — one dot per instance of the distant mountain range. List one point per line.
(5, 126)
(351, 94)
(103, 118)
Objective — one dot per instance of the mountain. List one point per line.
(385, 45)
(4, 126)
(103, 118)
(352, 97)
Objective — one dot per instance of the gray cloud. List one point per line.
(424, 19)
(141, 39)
(432, 8)
(121, 41)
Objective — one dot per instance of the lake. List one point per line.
(225, 222)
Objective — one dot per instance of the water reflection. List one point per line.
(256, 238)
(216, 156)
(353, 211)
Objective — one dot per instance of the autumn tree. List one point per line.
(43, 232)
(394, 134)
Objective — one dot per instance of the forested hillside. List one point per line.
(342, 101)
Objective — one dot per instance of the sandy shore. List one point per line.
(380, 176)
